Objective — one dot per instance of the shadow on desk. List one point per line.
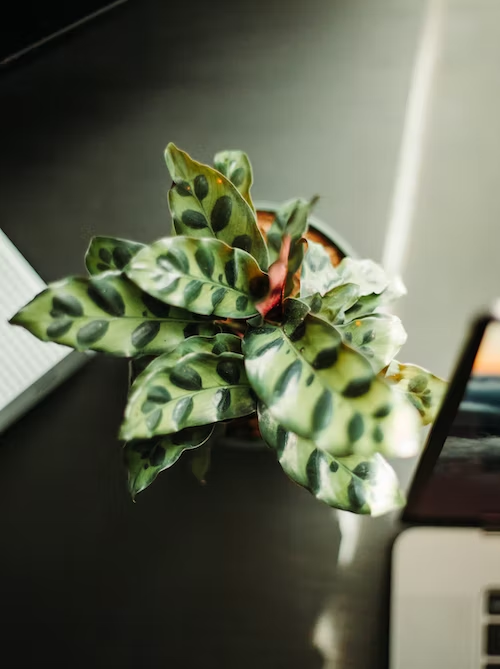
(237, 571)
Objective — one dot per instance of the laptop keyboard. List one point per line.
(492, 630)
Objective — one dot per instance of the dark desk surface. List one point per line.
(245, 571)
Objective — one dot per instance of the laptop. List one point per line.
(445, 580)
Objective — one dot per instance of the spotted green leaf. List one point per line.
(108, 313)
(109, 253)
(318, 275)
(378, 337)
(425, 391)
(146, 458)
(205, 276)
(220, 343)
(198, 389)
(204, 203)
(367, 274)
(322, 390)
(357, 483)
(200, 462)
(373, 303)
(333, 305)
(291, 220)
(236, 166)
(367, 305)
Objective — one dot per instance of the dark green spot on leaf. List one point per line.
(418, 384)
(242, 303)
(237, 176)
(106, 297)
(313, 471)
(291, 374)
(122, 255)
(157, 308)
(383, 411)
(229, 371)
(316, 303)
(158, 394)
(275, 344)
(174, 260)
(66, 305)
(205, 259)
(194, 219)
(356, 494)
(153, 420)
(217, 296)
(322, 413)
(184, 376)
(92, 332)
(222, 401)
(201, 187)
(221, 213)
(356, 427)
(357, 388)
(299, 332)
(259, 286)
(183, 188)
(364, 471)
(230, 272)
(192, 290)
(105, 255)
(182, 410)
(59, 327)
(326, 358)
(243, 242)
(144, 334)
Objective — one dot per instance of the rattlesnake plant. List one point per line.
(221, 323)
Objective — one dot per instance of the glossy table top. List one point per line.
(248, 570)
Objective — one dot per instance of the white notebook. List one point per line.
(29, 368)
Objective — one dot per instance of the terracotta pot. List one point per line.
(244, 432)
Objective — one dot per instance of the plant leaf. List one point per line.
(146, 458)
(367, 274)
(109, 253)
(278, 271)
(220, 343)
(357, 483)
(236, 166)
(108, 313)
(204, 203)
(334, 303)
(322, 390)
(204, 275)
(374, 303)
(200, 462)
(425, 391)
(291, 219)
(198, 389)
(378, 337)
(367, 305)
(318, 275)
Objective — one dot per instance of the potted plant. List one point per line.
(238, 315)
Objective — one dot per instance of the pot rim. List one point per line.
(344, 247)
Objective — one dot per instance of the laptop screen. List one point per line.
(464, 482)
